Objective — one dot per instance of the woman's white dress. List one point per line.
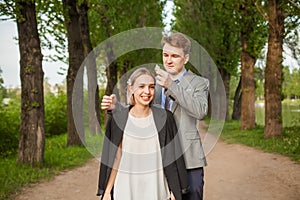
(140, 175)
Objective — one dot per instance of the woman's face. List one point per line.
(143, 90)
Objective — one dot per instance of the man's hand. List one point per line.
(163, 78)
(108, 102)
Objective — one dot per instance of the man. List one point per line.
(186, 95)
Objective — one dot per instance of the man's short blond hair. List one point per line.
(178, 40)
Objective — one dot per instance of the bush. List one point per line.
(55, 114)
(9, 128)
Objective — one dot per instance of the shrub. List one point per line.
(55, 114)
(9, 128)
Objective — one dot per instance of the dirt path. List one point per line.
(235, 172)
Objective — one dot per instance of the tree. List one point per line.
(32, 136)
(90, 64)
(273, 71)
(111, 17)
(237, 101)
(282, 17)
(76, 57)
(213, 25)
(253, 39)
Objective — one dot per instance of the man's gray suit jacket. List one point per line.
(190, 104)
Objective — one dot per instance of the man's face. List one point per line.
(174, 59)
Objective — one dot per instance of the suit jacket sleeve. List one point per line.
(191, 94)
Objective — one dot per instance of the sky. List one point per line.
(9, 58)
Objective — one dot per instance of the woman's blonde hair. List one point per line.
(136, 74)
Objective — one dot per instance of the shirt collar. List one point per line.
(181, 76)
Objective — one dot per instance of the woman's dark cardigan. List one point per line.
(172, 155)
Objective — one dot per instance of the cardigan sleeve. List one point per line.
(104, 168)
(113, 137)
(175, 168)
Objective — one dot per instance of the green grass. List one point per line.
(57, 157)
(288, 144)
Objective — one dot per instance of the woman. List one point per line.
(141, 157)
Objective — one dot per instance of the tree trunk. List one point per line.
(226, 80)
(76, 57)
(111, 67)
(90, 63)
(247, 66)
(273, 71)
(32, 135)
(248, 88)
(237, 102)
(123, 81)
(111, 71)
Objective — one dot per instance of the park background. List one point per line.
(246, 39)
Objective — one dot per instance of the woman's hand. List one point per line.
(106, 196)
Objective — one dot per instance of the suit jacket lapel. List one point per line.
(183, 83)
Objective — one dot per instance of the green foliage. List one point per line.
(259, 82)
(55, 120)
(57, 157)
(292, 27)
(51, 25)
(7, 9)
(55, 114)
(291, 83)
(288, 144)
(110, 17)
(9, 128)
(3, 92)
(253, 27)
(213, 24)
(102, 113)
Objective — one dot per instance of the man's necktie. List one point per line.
(167, 102)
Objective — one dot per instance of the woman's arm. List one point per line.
(113, 174)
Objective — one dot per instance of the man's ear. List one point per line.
(186, 58)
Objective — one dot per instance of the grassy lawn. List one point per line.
(57, 157)
(288, 144)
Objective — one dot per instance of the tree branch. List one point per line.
(294, 4)
(262, 12)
